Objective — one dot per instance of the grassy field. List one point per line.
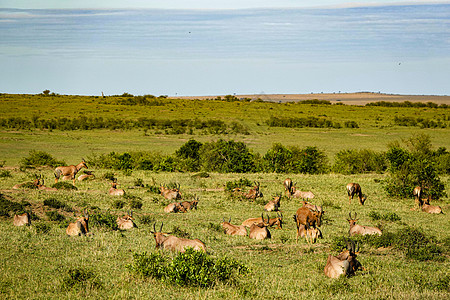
(35, 264)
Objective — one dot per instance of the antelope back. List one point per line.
(23, 219)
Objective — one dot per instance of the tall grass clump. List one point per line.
(103, 220)
(37, 158)
(80, 278)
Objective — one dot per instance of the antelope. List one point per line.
(42, 187)
(313, 207)
(23, 219)
(431, 209)
(80, 227)
(278, 221)
(174, 208)
(308, 218)
(274, 204)
(189, 205)
(87, 175)
(308, 232)
(287, 183)
(358, 229)
(126, 222)
(344, 263)
(254, 192)
(170, 194)
(114, 191)
(173, 243)
(69, 172)
(352, 189)
(259, 231)
(233, 229)
(301, 195)
(22, 185)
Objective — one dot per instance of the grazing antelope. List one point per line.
(23, 219)
(358, 229)
(87, 175)
(190, 205)
(259, 231)
(69, 172)
(352, 189)
(174, 208)
(126, 222)
(114, 191)
(278, 221)
(287, 183)
(309, 233)
(80, 226)
(170, 194)
(173, 243)
(344, 263)
(302, 195)
(233, 229)
(254, 192)
(274, 204)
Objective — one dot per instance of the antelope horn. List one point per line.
(223, 219)
(154, 229)
(160, 229)
(357, 247)
(229, 221)
(356, 214)
(350, 215)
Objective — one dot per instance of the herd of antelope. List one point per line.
(308, 217)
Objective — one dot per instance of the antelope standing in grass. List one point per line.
(274, 204)
(190, 205)
(170, 194)
(174, 208)
(254, 192)
(87, 175)
(80, 226)
(23, 219)
(233, 229)
(355, 188)
(313, 207)
(343, 264)
(126, 222)
(114, 191)
(358, 229)
(309, 233)
(278, 221)
(69, 172)
(302, 195)
(173, 243)
(287, 183)
(259, 231)
(308, 218)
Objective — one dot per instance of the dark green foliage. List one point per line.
(339, 243)
(29, 185)
(139, 182)
(391, 216)
(41, 227)
(109, 176)
(359, 161)
(55, 216)
(55, 203)
(192, 268)
(407, 104)
(118, 204)
(135, 204)
(153, 189)
(293, 122)
(315, 101)
(5, 173)
(351, 124)
(178, 232)
(214, 227)
(80, 278)
(64, 185)
(146, 220)
(242, 182)
(39, 158)
(103, 220)
(7, 206)
(420, 122)
(189, 153)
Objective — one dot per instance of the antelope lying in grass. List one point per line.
(352, 189)
(23, 219)
(170, 194)
(278, 221)
(358, 229)
(87, 175)
(309, 233)
(301, 195)
(431, 209)
(259, 231)
(173, 243)
(35, 184)
(310, 219)
(190, 205)
(42, 187)
(254, 192)
(345, 263)
(287, 183)
(233, 229)
(80, 226)
(174, 208)
(69, 172)
(126, 222)
(274, 204)
(114, 191)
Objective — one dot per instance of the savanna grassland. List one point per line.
(36, 262)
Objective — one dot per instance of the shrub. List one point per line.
(118, 204)
(242, 182)
(39, 158)
(109, 176)
(54, 203)
(192, 268)
(103, 220)
(5, 173)
(42, 228)
(7, 206)
(80, 278)
(146, 220)
(359, 161)
(139, 182)
(391, 216)
(135, 204)
(55, 216)
(63, 185)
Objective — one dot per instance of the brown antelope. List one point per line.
(80, 226)
(355, 188)
(278, 221)
(309, 233)
(287, 183)
(302, 195)
(259, 231)
(358, 229)
(174, 208)
(313, 207)
(23, 219)
(274, 204)
(42, 187)
(126, 222)
(69, 172)
(190, 205)
(308, 218)
(35, 183)
(170, 194)
(173, 243)
(344, 263)
(87, 175)
(431, 209)
(233, 229)
(254, 192)
(114, 191)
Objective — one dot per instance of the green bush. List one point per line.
(54, 203)
(80, 278)
(40, 158)
(135, 204)
(55, 216)
(103, 220)
(42, 228)
(242, 182)
(118, 204)
(7, 206)
(192, 268)
(391, 216)
(64, 185)
(5, 173)
(359, 161)
(146, 220)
